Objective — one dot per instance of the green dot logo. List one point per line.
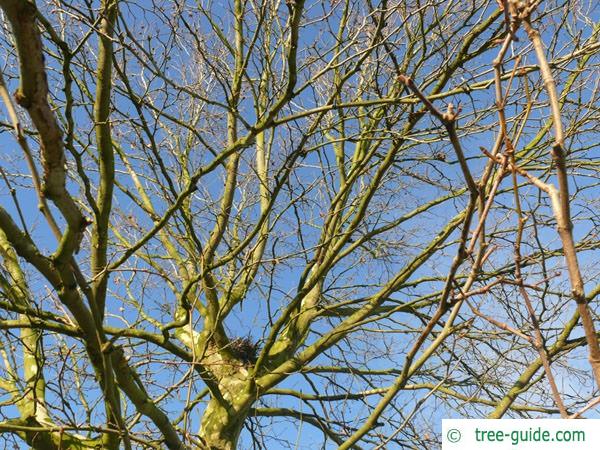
(453, 435)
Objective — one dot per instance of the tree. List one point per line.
(266, 224)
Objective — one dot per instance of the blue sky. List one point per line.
(401, 193)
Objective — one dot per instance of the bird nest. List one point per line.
(245, 350)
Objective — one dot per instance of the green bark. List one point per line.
(225, 415)
(221, 426)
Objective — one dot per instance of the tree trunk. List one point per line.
(221, 426)
(226, 412)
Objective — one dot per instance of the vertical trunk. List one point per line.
(221, 426)
(227, 410)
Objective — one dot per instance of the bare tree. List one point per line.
(267, 224)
